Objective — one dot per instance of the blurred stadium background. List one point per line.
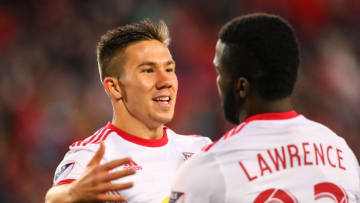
(51, 96)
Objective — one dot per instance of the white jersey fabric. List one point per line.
(273, 157)
(155, 160)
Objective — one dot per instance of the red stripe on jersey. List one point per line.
(107, 134)
(272, 116)
(239, 128)
(234, 130)
(66, 181)
(104, 136)
(205, 149)
(75, 143)
(227, 134)
(101, 135)
(83, 143)
(138, 140)
(264, 116)
(92, 137)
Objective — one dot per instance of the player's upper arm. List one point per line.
(199, 180)
(72, 166)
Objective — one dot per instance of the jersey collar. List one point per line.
(273, 116)
(138, 140)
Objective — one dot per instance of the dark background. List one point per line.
(51, 96)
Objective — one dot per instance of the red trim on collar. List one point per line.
(273, 116)
(138, 140)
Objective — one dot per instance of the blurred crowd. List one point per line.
(51, 95)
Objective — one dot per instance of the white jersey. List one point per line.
(155, 160)
(273, 157)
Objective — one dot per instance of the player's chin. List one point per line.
(164, 117)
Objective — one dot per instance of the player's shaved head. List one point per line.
(257, 57)
(263, 48)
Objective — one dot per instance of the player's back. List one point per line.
(285, 157)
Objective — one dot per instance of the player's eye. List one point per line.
(147, 70)
(170, 69)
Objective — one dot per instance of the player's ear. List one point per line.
(242, 87)
(112, 88)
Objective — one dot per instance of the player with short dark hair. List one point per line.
(264, 51)
(138, 74)
(116, 40)
(272, 49)
(273, 154)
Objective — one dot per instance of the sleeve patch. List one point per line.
(187, 155)
(175, 196)
(64, 170)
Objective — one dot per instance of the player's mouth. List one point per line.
(163, 101)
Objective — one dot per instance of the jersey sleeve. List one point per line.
(72, 166)
(194, 181)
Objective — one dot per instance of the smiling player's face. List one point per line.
(149, 83)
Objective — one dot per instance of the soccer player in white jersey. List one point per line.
(138, 74)
(273, 154)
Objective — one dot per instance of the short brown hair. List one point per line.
(118, 39)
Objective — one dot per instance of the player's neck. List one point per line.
(133, 126)
(138, 129)
(259, 106)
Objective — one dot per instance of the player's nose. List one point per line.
(164, 79)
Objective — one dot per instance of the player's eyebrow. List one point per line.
(150, 63)
(170, 62)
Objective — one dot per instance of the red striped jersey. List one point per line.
(272, 157)
(155, 160)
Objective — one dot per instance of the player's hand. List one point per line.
(95, 185)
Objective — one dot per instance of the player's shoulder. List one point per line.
(92, 142)
(187, 139)
(320, 129)
(231, 137)
(314, 124)
(220, 146)
(200, 172)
